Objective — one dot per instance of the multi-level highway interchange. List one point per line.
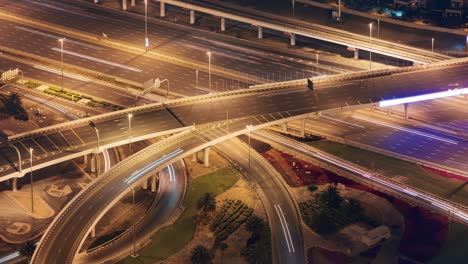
(209, 105)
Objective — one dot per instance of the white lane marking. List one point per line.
(341, 121)
(57, 37)
(287, 227)
(284, 228)
(98, 60)
(69, 75)
(412, 131)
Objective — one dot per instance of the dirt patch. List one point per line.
(196, 168)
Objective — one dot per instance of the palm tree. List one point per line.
(200, 255)
(223, 246)
(330, 197)
(27, 249)
(206, 203)
(254, 224)
(256, 254)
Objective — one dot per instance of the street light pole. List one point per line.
(32, 188)
(293, 7)
(249, 128)
(370, 46)
(209, 68)
(129, 133)
(134, 223)
(146, 26)
(316, 58)
(432, 45)
(61, 40)
(93, 125)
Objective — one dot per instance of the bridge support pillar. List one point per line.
(389, 110)
(153, 182)
(93, 164)
(293, 39)
(285, 126)
(133, 3)
(124, 5)
(406, 110)
(195, 157)
(162, 9)
(192, 17)
(356, 53)
(85, 159)
(145, 184)
(223, 24)
(14, 185)
(303, 125)
(96, 1)
(93, 232)
(206, 159)
(260, 32)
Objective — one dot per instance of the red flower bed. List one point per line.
(446, 174)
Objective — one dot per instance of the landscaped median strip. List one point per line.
(73, 96)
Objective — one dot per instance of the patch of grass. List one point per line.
(416, 176)
(171, 239)
(454, 249)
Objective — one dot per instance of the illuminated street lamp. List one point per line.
(129, 132)
(146, 26)
(32, 188)
(370, 45)
(93, 125)
(61, 40)
(209, 68)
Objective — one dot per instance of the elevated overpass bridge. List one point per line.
(292, 27)
(278, 102)
(200, 122)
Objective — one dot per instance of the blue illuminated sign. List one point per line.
(423, 97)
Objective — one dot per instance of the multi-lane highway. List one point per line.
(176, 53)
(266, 20)
(70, 140)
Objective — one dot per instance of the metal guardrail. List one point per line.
(377, 175)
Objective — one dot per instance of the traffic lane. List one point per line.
(73, 82)
(129, 66)
(171, 187)
(286, 230)
(416, 142)
(67, 231)
(82, 138)
(170, 40)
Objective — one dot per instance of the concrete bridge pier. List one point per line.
(389, 110)
(93, 232)
(260, 32)
(96, 1)
(285, 126)
(356, 53)
(195, 157)
(223, 24)
(303, 125)
(14, 184)
(192, 17)
(154, 177)
(133, 3)
(162, 9)
(85, 159)
(293, 39)
(93, 165)
(206, 159)
(124, 5)
(406, 111)
(145, 184)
